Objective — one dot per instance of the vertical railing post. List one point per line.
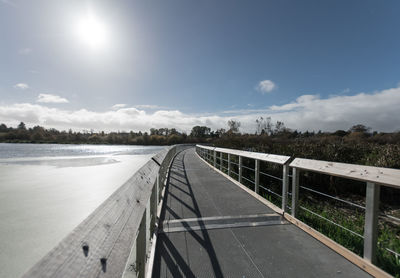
(141, 248)
(153, 207)
(220, 161)
(160, 186)
(285, 186)
(240, 169)
(371, 221)
(295, 191)
(215, 159)
(229, 164)
(157, 186)
(148, 227)
(257, 176)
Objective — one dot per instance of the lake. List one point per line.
(46, 190)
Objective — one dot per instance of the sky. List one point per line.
(135, 65)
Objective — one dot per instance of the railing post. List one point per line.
(148, 228)
(371, 221)
(220, 161)
(240, 169)
(141, 248)
(229, 164)
(215, 159)
(157, 197)
(285, 186)
(257, 176)
(295, 191)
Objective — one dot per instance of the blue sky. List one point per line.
(312, 64)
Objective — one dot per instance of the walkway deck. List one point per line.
(213, 228)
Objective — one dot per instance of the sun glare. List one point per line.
(92, 32)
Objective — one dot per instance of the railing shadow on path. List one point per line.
(167, 251)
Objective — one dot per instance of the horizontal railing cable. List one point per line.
(271, 176)
(232, 172)
(390, 216)
(248, 180)
(332, 222)
(397, 255)
(332, 197)
(251, 169)
(270, 191)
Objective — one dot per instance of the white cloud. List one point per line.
(22, 86)
(379, 110)
(266, 86)
(118, 106)
(25, 51)
(149, 106)
(48, 98)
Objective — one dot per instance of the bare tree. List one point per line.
(233, 126)
(264, 126)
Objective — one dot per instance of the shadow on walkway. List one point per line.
(175, 261)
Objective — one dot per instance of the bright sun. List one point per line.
(92, 32)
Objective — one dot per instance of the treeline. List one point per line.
(160, 136)
(357, 145)
(38, 134)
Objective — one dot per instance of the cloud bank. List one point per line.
(378, 110)
(48, 98)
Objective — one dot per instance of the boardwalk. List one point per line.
(213, 228)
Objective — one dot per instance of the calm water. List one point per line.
(46, 190)
(53, 150)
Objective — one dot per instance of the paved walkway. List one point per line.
(213, 228)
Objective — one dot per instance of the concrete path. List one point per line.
(213, 228)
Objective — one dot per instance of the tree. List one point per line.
(279, 127)
(3, 128)
(153, 131)
(200, 131)
(233, 126)
(360, 128)
(340, 133)
(264, 126)
(220, 132)
(22, 126)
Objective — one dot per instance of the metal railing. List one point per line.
(235, 160)
(373, 177)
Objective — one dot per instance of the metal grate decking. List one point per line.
(212, 228)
